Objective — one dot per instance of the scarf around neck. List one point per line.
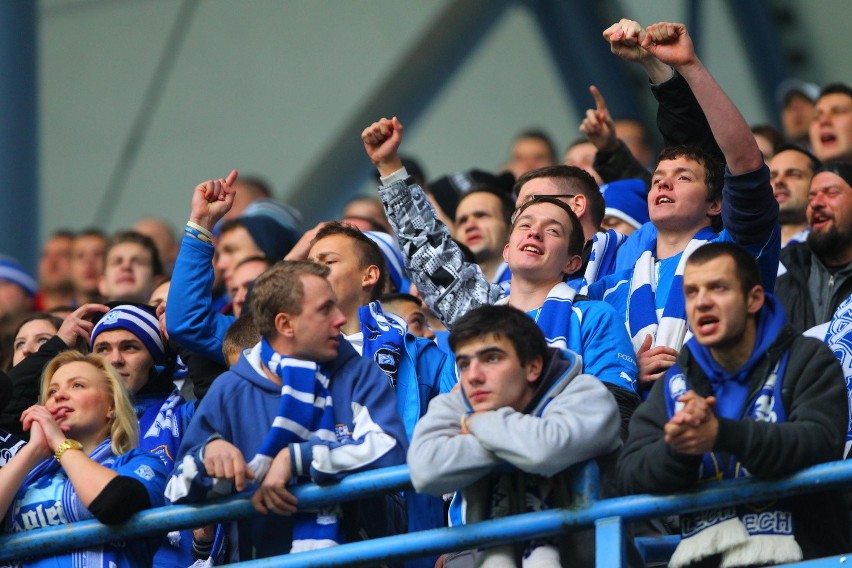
(305, 412)
(754, 533)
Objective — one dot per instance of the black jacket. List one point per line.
(814, 396)
(793, 291)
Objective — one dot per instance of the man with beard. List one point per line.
(819, 271)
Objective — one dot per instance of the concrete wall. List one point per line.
(264, 87)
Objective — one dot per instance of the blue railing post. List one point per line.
(609, 543)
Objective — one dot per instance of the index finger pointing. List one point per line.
(232, 177)
(600, 103)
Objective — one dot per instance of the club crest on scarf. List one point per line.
(383, 339)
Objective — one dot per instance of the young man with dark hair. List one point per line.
(690, 194)
(531, 149)
(132, 268)
(410, 309)
(522, 403)
(301, 351)
(748, 396)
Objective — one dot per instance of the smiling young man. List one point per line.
(545, 245)
(748, 397)
(298, 317)
(522, 403)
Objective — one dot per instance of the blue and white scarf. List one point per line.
(305, 412)
(602, 257)
(754, 533)
(383, 339)
(670, 329)
(555, 313)
(70, 508)
(160, 425)
(838, 337)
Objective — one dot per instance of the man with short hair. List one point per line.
(246, 272)
(163, 234)
(691, 197)
(483, 217)
(831, 126)
(748, 397)
(531, 149)
(409, 308)
(129, 337)
(818, 272)
(132, 268)
(87, 265)
(522, 403)
(55, 287)
(790, 172)
(297, 315)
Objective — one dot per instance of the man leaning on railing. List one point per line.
(748, 396)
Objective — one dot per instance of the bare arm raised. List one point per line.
(670, 43)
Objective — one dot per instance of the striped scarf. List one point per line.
(642, 319)
(754, 533)
(103, 556)
(602, 257)
(305, 412)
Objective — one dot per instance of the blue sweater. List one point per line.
(240, 408)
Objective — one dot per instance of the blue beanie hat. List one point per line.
(273, 226)
(393, 259)
(12, 271)
(137, 320)
(627, 199)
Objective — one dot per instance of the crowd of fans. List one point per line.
(680, 320)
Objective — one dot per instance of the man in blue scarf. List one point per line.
(748, 396)
(300, 406)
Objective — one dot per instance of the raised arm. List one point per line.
(670, 43)
(613, 160)
(190, 317)
(449, 285)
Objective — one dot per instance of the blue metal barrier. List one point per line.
(608, 516)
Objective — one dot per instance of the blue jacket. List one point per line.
(424, 372)
(191, 319)
(240, 408)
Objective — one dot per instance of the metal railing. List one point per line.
(608, 516)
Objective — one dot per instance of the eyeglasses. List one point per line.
(554, 195)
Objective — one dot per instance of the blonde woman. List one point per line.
(80, 462)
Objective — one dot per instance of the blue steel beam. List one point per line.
(19, 215)
(405, 90)
(764, 49)
(572, 30)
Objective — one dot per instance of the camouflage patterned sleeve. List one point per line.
(448, 284)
